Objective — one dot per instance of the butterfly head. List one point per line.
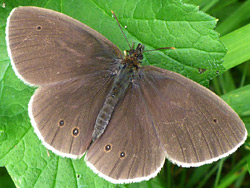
(133, 57)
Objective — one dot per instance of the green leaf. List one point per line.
(239, 100)
(238, 45)
(156, 24)
(5, 180)
(234, 174)
(239, 16)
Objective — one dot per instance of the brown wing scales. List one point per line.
(64, 114)
(72, 64)
(45, 51)
(164, 114)
(194, 125)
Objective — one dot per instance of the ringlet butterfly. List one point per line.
(127, 118)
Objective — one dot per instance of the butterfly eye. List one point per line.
(38, 28)
(131, 51)
(108, 148)
(140, 57)
(61, 123)
(122, 155)
(75, 131)
(215, 120)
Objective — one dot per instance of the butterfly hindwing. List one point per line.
(135, 152)
(58, 110)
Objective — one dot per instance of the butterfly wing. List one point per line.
(56, 111)
(72, 64)
(194, 125)
(47, 47)
(130, 149)
(164, 114)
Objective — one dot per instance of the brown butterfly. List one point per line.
(128, 117)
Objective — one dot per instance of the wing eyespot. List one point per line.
(38, 28)
(75, 132)
(61, 123)
(108, 148)
(122, 155)
(215, 120)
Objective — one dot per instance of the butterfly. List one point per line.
(93, 99)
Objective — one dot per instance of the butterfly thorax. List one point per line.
(128, 69)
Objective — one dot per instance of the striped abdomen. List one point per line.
(119, 88)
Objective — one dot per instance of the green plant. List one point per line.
(156, 24)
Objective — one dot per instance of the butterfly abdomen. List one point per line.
(119, 88)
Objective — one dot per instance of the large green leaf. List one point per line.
(154, 23)
(238, 45)
(239, 100)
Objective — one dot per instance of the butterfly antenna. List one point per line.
(121, 29)
(164, 48)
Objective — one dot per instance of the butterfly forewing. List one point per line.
(47, 47)
(194, 125)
